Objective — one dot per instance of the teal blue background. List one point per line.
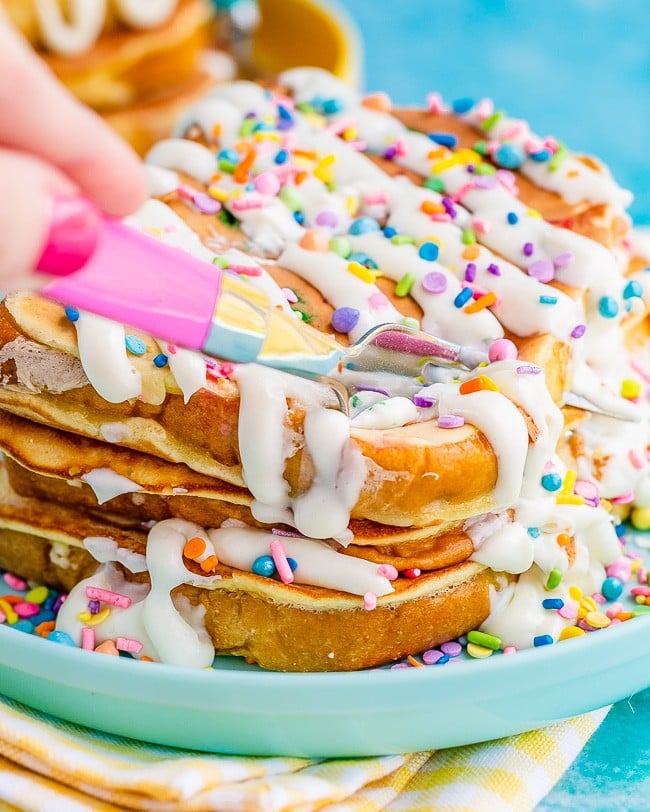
(578, 69)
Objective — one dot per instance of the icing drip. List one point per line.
(188, 369)
(107, 484)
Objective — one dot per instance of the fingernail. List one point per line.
(72, 238)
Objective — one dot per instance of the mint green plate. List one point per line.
(236, 708)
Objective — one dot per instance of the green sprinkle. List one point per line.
(484, 639)
(480, 147)
(341, 246)
(409, 321)
(485, 169)
(227, 218)
(554, 578)
(221, 262)
(354, 401)
(558, 159)
(403, 287)
(468, 237)
(435, 184)
(306, 107)
(402, 239)
(247, 127)
(291, 198)
(227, 166)
(490, 121)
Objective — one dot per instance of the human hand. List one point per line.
(59, 166)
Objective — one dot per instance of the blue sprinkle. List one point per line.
(463, 297)
(250, 187)
(430, 251)
(552, 603)
(331, 106)
(292, 563)
(160, 360)
(299, 217)
(363, 259)
(444, 139)
(62, 638)
(262, 126)
(72, 313)
(633, 290)
(540, 156)
(363, 225)
(512, 218)
(42, 617)
(509, 156)
(534, 532)
(389, 232)
(231, 156)
(608, 307)
(463, 105)
(542, 640)
(135, 345)
(620, 529)
(552, 482)
(281, 156)
(548, 300)
(24, 626)
(612, 588)
(264, 565)
(442, 660)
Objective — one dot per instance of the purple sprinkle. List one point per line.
(578, 331)
(390, 153)
(528, 249)
(345, 319)
(373, 389)
(449, 206)
(434, 282)
(432, 656)
(94, 607)
(494, 269)
(528, 369)
(422, 402)
(58, 603)
(485, 182)
(542, 270)
(470, 168)
(206, 204)
(562, 260)
(399, 666)
(451, 648)
(450, 421)
(470, 272)
(326, 218)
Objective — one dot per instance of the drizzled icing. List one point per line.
(81, 30)
(107, 484)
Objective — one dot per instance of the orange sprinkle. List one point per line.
(573, 173)
(209, 563)
(477, 385)
(436, 153)
(431, 207)
(108, 647)
(481, 303)
(12, 600)
(414, 662)
(44, 628)
(194, 547)
(378, 101)
(301, 177)
(313, 240)
(471, 252)
(240, 175)
(624, 616)
(145, 659)
(306, 153)
(564, 539)
(217, 129)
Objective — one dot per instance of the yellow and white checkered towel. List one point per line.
(48, 764)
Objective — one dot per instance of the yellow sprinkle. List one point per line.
(635, 566)
(481, 303)
(575, 592)
(349, 134)
(323, 169)
(570, 631)
(435, 240)
(460, 158)
(639, 599)
(630, 388)
(533, 213)
(361, 272)
(589, 603)
(155, 232)
(479, 652)
(267, 135)
(218, 193)
(641, 518)
(9, 613)
(94, 620)
(351, 205)
(569, 481)
(235, 193)
(597, 620)
(569, 499)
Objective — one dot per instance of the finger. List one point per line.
(39, 116)
(35, 213)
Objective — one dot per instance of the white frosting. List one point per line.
(188, 369)
(107, 484)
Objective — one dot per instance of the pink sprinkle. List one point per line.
(510, 132)
(378, 300)
(267, 183)
(493, 145)
(399, 666)
(88, 638)
(14, 582)
(641, 370)
(542, 270)
(359, 146)
(615, 622)
(450, 421)
(376, 199)
(586, 489)
(599, 598)
(484, 109)
(289, 295)
(170, 229)
(432, 656)
(387, 571)
(635, 459)
(640, 590)
(550, 143)
(25, 609)
(614, 609)
(509, 650)
(281, 564)
(127, 644)
(247, 203)
(112, 598)
(533, 145)
(481, 225)
(569, 611)
(441, 217)
(172, 349)
(623, 499)
(585, 626)
(3, 617)
(369, 601)
(400, 147)
(246, 270)
(435, 104)
(460, 193)
(642, 575)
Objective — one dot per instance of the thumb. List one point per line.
(44, 222)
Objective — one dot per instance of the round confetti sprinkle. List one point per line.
(161, 360)
(450, 421)
(345, 319)
(326, 218)
(542, 270)
(264, 566)
(612, 588)
(363, 225)
(563, 260)
(451, 648)
(429, 251)
(434, 282)
(61, 637)
(552, 482)
(341, 246)
(432, 656)
(502, 349)
(135, 345)
(512, 218)
(509, 156)
(608, 307)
